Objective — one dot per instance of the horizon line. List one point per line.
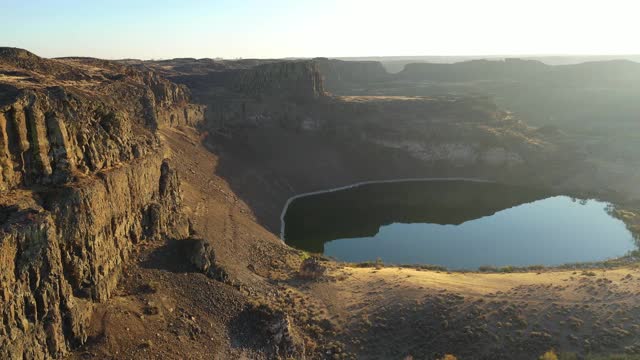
(398, 57)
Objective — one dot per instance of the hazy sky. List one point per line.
(283, 28)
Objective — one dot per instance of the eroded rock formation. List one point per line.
(341, 76)
(83, 180)
(291, 95)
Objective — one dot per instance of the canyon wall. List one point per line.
(341, 76)
(65, 249)
(274, 124)
(291, 95)
(245, 92)
(83, 180)
(298, 81)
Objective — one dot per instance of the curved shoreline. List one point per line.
(291, 199)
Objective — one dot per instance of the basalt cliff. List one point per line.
(84, 180)
(297, 136)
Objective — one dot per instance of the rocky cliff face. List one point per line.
(65, 249)
(453, 129)
(83, 179)
(299, 81)
(341, 76)
(52, 128)
(293, 80)
(458, 131)
(247, 92)
(48, 136)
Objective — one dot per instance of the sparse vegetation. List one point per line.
(549, 355)
(507, 269)
(311, 269)
(487, 268)
(304, 255)
(449, 357)
(432, 267)
(378, 264)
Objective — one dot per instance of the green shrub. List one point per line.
(487, 268)
(432, 267)
(549, 355)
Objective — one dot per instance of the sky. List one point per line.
(156, 29)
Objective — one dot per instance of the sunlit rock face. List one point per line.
(61, 118)
(83, 179)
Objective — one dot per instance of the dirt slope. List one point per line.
(168, 310)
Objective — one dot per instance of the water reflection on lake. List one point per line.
(457, 224)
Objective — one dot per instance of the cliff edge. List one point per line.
(83, 178)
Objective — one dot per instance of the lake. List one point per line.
(457, 224)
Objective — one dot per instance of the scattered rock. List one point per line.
(311, 268)
(203, 257)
